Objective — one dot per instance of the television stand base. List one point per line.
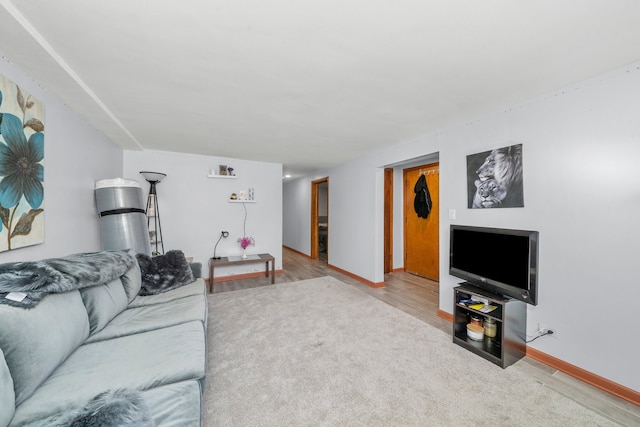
(510, 316)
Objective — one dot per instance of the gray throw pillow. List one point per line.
(164, 272)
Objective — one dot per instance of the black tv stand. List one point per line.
(509, 344)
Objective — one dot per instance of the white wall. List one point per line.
(582, 193)
(195, 209)
(76, 156)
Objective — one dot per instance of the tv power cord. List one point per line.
(541, 334)
(224, 234)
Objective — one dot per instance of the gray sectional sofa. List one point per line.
(107, 344)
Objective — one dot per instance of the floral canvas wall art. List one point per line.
(494, 178)
(21, 167)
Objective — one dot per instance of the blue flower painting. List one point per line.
(21, 167)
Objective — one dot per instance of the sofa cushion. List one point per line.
(147, 318)
(132, 281)
(164, 272)
(35, 341)
(178, 404)
(196, 288)
(7, 396)
(140, 361)
(103, 303)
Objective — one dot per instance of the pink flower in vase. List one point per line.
(246, 241)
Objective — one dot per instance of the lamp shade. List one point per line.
(153, 176)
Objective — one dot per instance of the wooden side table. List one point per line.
(266, 258)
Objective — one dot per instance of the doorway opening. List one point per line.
(320, 219)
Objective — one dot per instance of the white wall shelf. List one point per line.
(241, 201)
(223, 176)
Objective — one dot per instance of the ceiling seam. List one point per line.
(20, 18)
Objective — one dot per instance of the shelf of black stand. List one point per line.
(508, 346)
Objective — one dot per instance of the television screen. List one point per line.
(502, 261)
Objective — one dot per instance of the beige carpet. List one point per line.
(322, 353)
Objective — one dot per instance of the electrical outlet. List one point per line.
(542, 330)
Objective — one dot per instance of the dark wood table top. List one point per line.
(225, 260)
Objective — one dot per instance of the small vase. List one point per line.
(244, 254)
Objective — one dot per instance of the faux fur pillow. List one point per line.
(112, 408)
(164, 272)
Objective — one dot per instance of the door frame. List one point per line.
(314, 215)
(388, 220)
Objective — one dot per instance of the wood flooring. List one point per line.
(419, 297)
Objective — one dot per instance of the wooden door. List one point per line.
(421, 235)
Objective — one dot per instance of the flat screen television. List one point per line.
(498, 260)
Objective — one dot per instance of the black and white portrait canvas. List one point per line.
(494, 178)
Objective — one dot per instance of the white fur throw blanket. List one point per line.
(39, 278)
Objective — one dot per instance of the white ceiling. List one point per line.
(309, 84)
